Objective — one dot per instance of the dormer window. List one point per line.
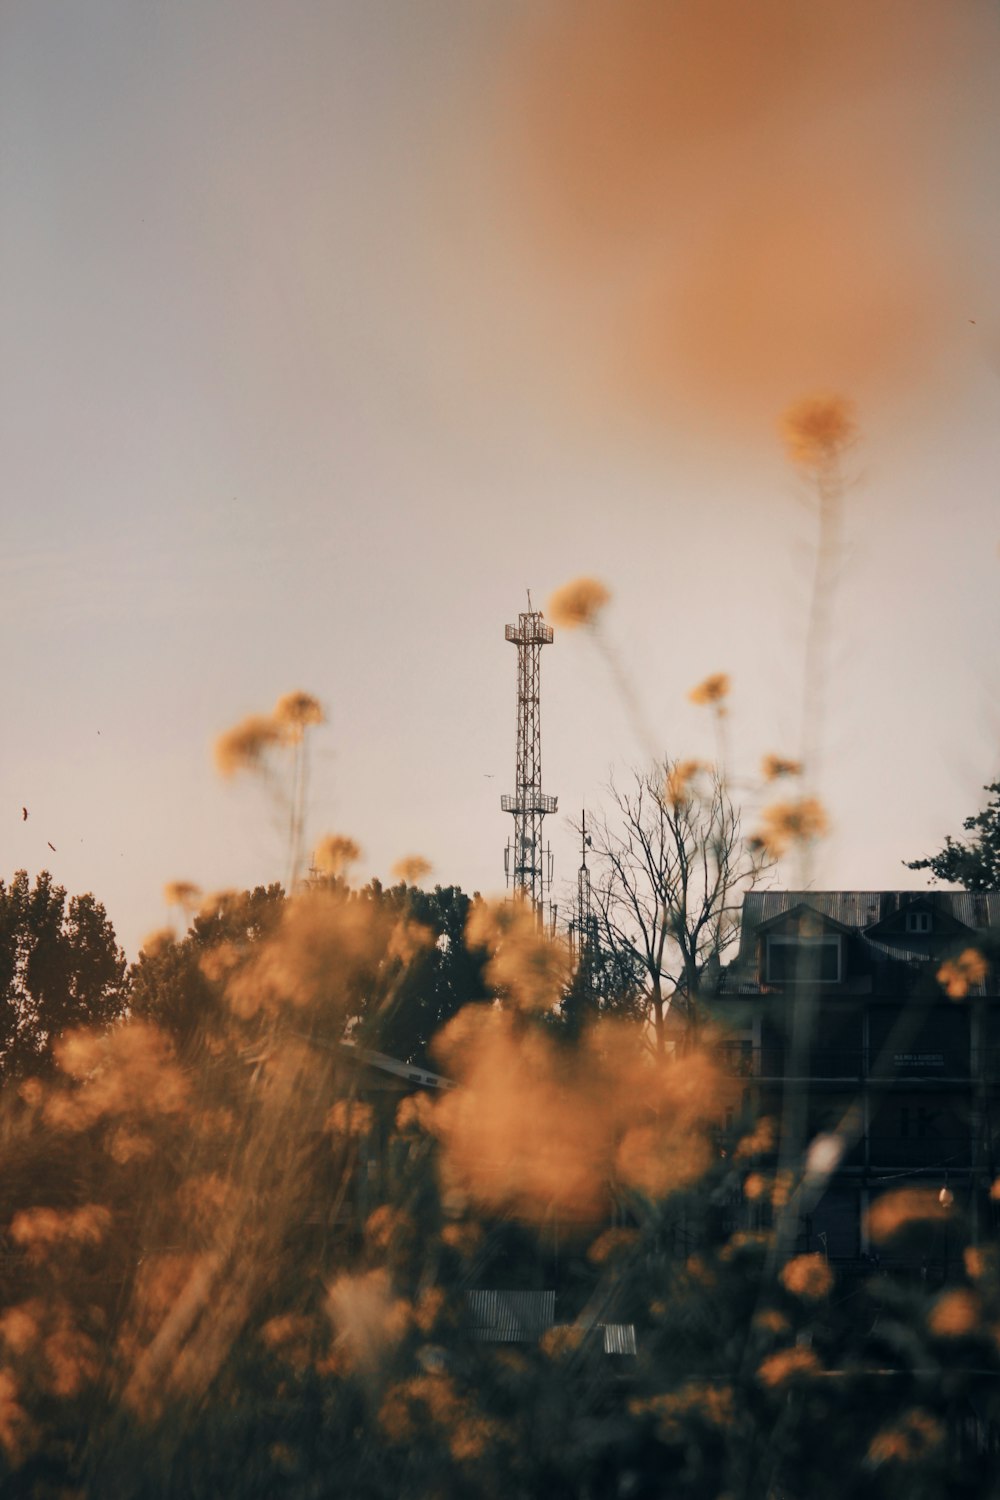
(815, 959)
(918, 921)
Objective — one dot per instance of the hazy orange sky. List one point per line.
(328, 329)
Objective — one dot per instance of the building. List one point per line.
(837, 1017)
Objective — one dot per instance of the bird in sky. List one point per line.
(24, 815)
(52, 847)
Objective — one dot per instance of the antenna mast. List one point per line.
(528, 864)
(583, 928)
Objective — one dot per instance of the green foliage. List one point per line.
(403, 1014)
(168, 984)
(606, 982)
(974, 865)
(60, 967)
(398, 1005)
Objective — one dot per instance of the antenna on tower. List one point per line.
(583, 927)
(527, 861)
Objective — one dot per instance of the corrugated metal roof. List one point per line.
(616, 1338)
(619, 1338)
(506, 1317)
(860, 911)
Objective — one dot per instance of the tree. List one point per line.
(169, 985)
(404, 1013)
(606, 982)
(673, 869)
(975, 865)
(398, 1002)
(60, 967)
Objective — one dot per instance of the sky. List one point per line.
(329, 329)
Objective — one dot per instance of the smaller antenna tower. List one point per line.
(527, 861)
(583, 927)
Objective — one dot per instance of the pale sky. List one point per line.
(327, 329)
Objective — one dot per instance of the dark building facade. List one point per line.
(837, 1005)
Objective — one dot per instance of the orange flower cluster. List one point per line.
(182, 893)
(957, 975)
(817, 429)
(712, 691)
(411, 870)
(129, 1071)
(527, 965)
(295, 711)
(787, 1365)
(808, 1277)
(696, 1402)
(773, 767)
(955, 1314)
(323, 945)
(41, 1230)
(245, 746)
(788, 823)
(334, 853)
(578, 603)
(760, 1141)
(678, 783)
(368, 1318)
(434, 1400)
(535, 1129)
(63, 1358)
(908, 1441)
(901, 1210)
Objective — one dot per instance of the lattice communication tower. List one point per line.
(527, 861)
(583, 926)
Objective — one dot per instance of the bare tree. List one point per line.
(673, 869)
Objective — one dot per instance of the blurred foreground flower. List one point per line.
(712, 691)
(131, 1070)
(956, 1314)
(775, 766)
(537, 1129)
(527, 964)
(907, 1441)
(294, 712)
(808, 1277)
(334, 853)
(903, 1209)
(817, 429)
(788, 1365)
(322, 946)
(677, 788)
(957, 975)
(158, 942)
(242, 748)
(41, 1230)
(577, 603)
(182, 893)
(368, 1318)
(787, 823)
(412, 869)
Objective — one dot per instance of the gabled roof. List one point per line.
(801, 908)
(867, 916)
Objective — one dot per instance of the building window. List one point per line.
(918, 921)
(803, 958)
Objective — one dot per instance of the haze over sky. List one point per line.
(327, 329)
